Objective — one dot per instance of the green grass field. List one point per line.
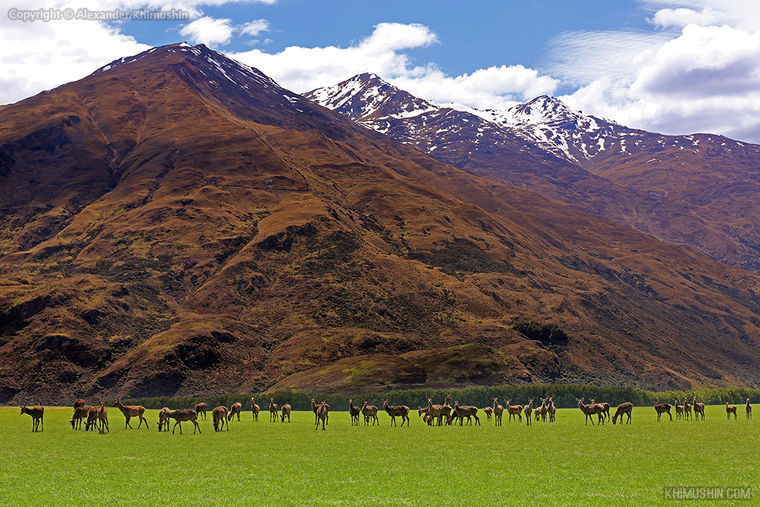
(263, 462)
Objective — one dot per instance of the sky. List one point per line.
(671, 66)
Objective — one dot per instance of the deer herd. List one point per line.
(96, 417)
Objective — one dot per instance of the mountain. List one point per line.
(699, 190)
(177, 223)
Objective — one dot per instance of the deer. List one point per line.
(370, 413)
(219, 417)
(273, 409)
(397, 410)
(590, 410)
(314, 408)
(286, 412)
(528, 409)
(662, 408)
(353, 412)
(748, 409)
(200, 409)
(467, 411)
(552, 409)
(322, 412)
(80, 413)
(699, 409)
(235, 409)
(488, 411)
(182, 415)
(426, 418)
(163, 418)
(92, 417)
(679, 410)
(37, 414)
(254, 410)
(103, 418)
(623, 409)
(79, 403)
(542, 410)
(130, 412)
(437, 411)
(686, 409)
(605, 408)
(730, 410)
(514, 411)
(498, 410)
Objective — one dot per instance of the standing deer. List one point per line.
(488, 411)
(219, 417)
(286, 412)
(542, 410)
(679, 410)
(79, 403)
(699, 409)
(80, 413)
(254, 409)
(514, 411)
(552, 409)
(92, 418)
(184, 414)
(314, 408)
(605, 408)
(322, 412)
(528, 409)
(130, 412)
(730, 410)
(397, 410)
(663, 408)
(234, 410)
(591, 410)
(498, 410)
(686, 409)
(103, 418)
(37, 414)
(623, 409)
(200, 409)
(748, 409)
(370, 413)
(467, 411)
(353, 412)
(163, 418)
(273, 410)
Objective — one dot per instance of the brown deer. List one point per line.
(662, 408)
(130, 412)
(591, 410)
(80, 413)
(79, 403)
(322, 412)
(353, 412)
(699, 409)
(686, 409)
(605, 408)
(748, 409)
(542, 410)
(219, 417)
(623, 409)
(235, 409)
(182, 415)
(436, 411)
(498, 410)
(163, 418)
(286, 412)
(514, 411)
(103, 418)
(37, 414)
(254, 410)
(528, 409)
(395, 411)
(730, 410)
(370, 413)
(679, 409)
(273, 410)
(488, 411)
(200, 409)
(92, 418)
(552, 409)
(467, 411)
(426, 418)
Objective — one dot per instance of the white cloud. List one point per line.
(209, 31)
(255, 27)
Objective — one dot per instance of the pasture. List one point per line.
(266, 462)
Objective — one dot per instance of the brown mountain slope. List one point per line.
(178, 223)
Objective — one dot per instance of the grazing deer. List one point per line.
(235, 409)
(254, 410)
(552, 409)
(397, 410)
(163, 418)
(699, 409)
(37, 414)
(353, 412)
(623, 409)
(686, 409)
(730, 410)
(528, 409)
(286, 412)
(103, 418)
(322, 412)
(182, 415)
(80, 413)
(426, 418)
(370, 413)
(130, 412)
(498, 410)
(273, 410)
(662, 408)
(92, 418)
(219, 417)
(748, 409)
(467, 411)
(514, 411)
(679, 410)
(591, 410)
(200, 409)
(488, 411)
(79, 403)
